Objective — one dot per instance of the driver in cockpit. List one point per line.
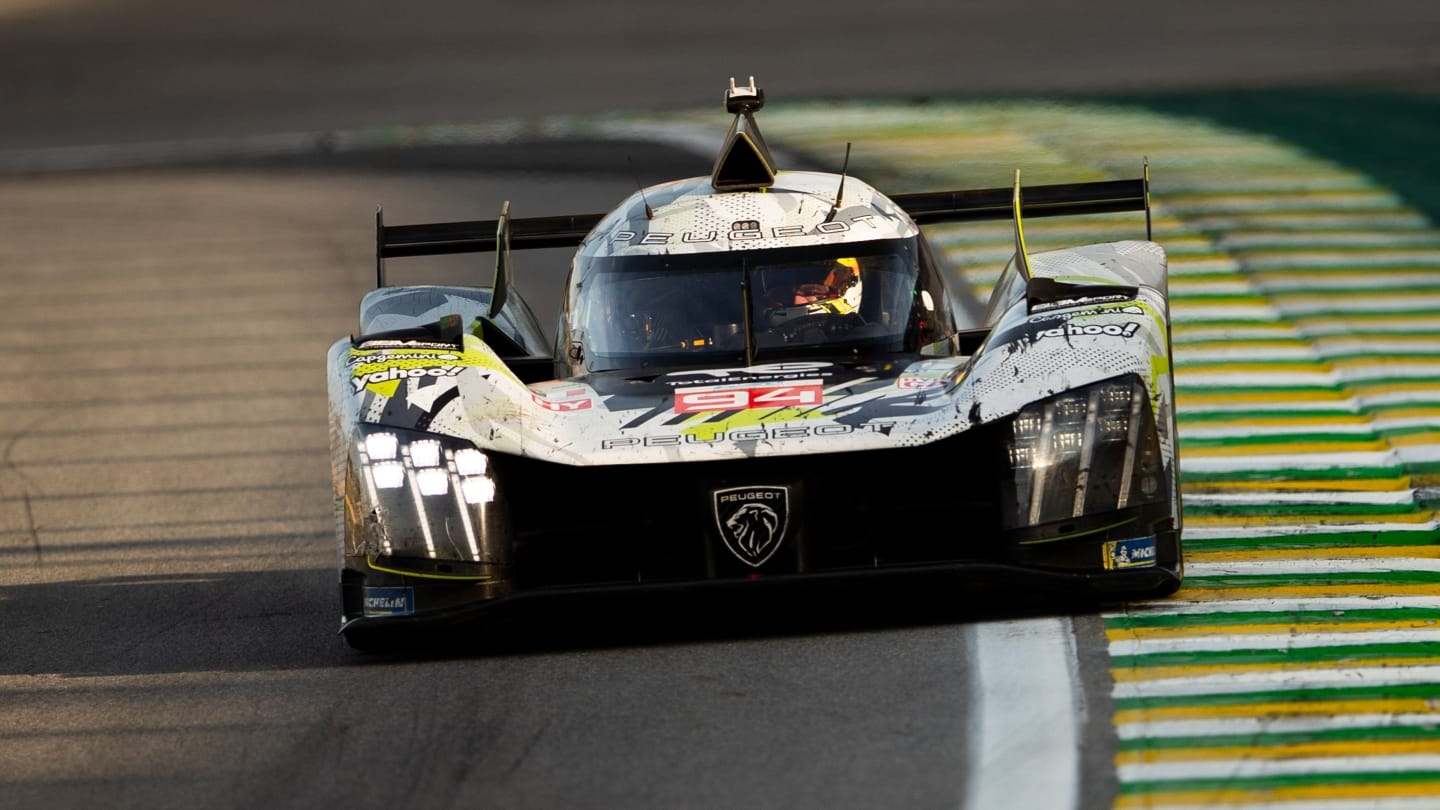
(838, 293)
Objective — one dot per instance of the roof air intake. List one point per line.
(744, 162)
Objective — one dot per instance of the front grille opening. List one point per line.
(656, 522)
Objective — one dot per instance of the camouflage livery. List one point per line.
(473, 463)
(687, 216)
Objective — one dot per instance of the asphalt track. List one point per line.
(167, 595)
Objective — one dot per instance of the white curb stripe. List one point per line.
(1281, 606)
(1377, 803)
(1025, 739)
(1276, 725)
(1392, 497)
(1315, 565)
(1251, 768)
(1297, 676)
(1244, 642)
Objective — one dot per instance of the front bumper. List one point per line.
(994, 585)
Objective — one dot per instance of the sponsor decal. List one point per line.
(749, 434)
(385, 358)
(398, 601)
(373, 344)
(360, 381)
(1060, 323)
(1111, 309)
(1087, 299)
(740, 398)
(561, 397)
(1137, 552)
(561, 405)
(912, 382)
(1125, 329)
(771, 372)
(740, 231)
(752, 521)
(560, 390)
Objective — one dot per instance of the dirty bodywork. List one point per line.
(784, 383)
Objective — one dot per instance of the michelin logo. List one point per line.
(389, 601)
(1138, 552)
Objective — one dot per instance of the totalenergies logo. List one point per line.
(743, 231)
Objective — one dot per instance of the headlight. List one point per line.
(1085, 452)
(426, 496)
(434, 465)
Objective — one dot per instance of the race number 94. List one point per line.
(740, 398)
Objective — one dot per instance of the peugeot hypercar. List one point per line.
(762, 375)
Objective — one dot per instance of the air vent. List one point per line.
(1046, 293)
(742, 166)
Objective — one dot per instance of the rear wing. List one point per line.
(1056, 200)
(927, 207)
(477, 236)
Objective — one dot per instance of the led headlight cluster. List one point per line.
(431, 494)
(429, 465)
(1088, 451)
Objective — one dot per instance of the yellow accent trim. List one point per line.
(478, 353)
(370, 561)
(1073, 535)
(699, 424)
(1022, 255)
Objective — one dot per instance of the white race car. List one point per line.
(758, 376)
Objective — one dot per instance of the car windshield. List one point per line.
(834, 301)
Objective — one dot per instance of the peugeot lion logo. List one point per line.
(752, 521)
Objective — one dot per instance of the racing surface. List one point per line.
(168, 583)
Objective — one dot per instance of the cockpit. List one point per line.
(835, 301)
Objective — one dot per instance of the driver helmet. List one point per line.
(838, 293)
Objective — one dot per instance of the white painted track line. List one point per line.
(1025, 729)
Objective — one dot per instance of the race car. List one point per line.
(760, 376)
